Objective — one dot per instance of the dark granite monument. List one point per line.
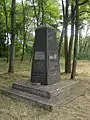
(45, 88)
(45, 67)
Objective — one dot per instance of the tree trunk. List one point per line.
(6, 20)
(66, 36)
(37, 14)
(76, 42)
(24, 32)
(71, 38)
(11, 60)
(42, 6)
(60, 44)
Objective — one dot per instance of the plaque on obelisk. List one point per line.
(45, 63)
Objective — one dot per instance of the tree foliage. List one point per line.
(62, 15)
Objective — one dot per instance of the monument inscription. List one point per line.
(39, 55)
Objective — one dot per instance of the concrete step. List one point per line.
(48, 104)
(30, 98)
(32, 89)
(59, 89)
(60, 93)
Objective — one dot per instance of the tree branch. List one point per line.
(84, 2)
(84, 11)
(63, 10)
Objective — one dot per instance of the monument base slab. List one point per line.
(46, 96)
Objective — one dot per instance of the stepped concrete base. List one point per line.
(49, 96)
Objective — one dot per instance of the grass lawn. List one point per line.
(10, 109)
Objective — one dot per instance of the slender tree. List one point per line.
(42, 6)
(11, 60)
(37, 12)
(72, 37)
(6, 24)
(62, 32)
(76, 42)
(77, 4)
(66, 36)
(60, 44)
(24, 31)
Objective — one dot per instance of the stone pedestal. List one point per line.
(46, 96)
